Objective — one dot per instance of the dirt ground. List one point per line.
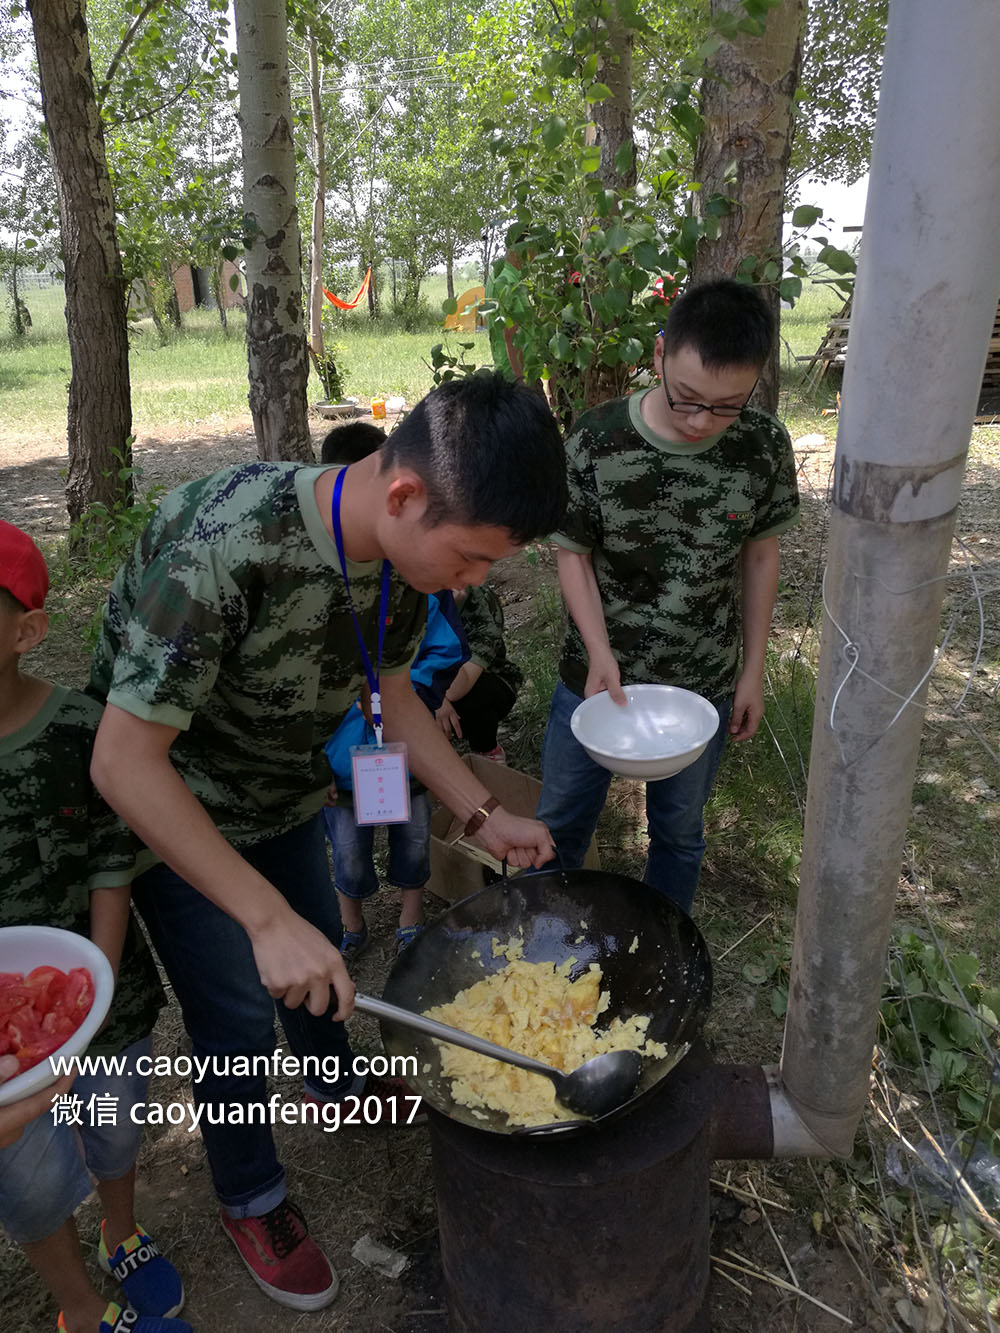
(378, 1181)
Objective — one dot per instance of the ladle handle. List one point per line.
(420, 1023)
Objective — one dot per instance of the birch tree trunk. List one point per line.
(99, 418)
(276, 343)
(749, 116)
(319, 203)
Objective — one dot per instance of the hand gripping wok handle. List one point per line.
(381, 1009)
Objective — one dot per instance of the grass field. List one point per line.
(199, 376)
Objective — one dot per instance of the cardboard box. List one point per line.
(461, 868)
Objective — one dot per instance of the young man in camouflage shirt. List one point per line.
(677, 496)
(228, 655)
(67, 861)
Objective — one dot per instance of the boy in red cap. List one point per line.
(67, 860)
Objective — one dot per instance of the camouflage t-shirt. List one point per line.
(482, 621)
(59, 841)
(664, 523)
(231, 622)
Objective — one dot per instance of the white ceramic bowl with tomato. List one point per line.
(22, 950)
(659, 731)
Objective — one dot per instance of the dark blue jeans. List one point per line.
(574, 789)
(228, 1012)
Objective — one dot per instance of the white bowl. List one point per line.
(659, 731)
(23, 948)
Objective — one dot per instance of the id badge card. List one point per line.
(381, 783)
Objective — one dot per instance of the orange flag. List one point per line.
(349, 305)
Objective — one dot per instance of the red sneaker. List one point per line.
(282, 1257)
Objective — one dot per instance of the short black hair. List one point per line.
(728, 323)
(488, 452)
(9, 602)
(350, 443)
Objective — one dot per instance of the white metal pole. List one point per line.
(924, 305)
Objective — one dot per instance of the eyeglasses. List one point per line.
(692, 409)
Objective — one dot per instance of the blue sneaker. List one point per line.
(152, 1285)
(126, 1320)
(353, 943)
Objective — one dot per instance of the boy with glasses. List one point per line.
(668, 562)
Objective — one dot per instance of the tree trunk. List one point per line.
(748, 111)
(373, 291)
(17, 317)
(613, 117)
(99, 419)
(172, 306)
(276, 344)
(316, 297)
(613, 133)
(449, 267)
(221, 294)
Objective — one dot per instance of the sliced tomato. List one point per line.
(40, 1012)
(47, 983)
(78, 996)
(38, 1050)
(58, 1025)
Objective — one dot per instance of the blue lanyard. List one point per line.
(370, 672)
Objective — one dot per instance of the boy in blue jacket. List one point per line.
(441, 653)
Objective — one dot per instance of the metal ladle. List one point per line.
(598, 1086)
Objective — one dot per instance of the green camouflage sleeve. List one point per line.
(780, 507)
(187, 614)
(408, 612)
(482, 620)
(582, 528)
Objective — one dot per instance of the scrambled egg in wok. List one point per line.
(533, 1008)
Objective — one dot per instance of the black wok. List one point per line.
(583, 914)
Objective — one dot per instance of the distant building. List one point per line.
(193, 286)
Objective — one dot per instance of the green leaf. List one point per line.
(234, 282)
(590, 158)
(837, 260)
(965, 967)
(631, 350)
(561, 347)
(688, 121)
(449, 306)
(598, 92)
(949, 1064)
(624, 158)
(805, 215)
(617, 237)
(616, 300)
(554, 132)
(647, 254)
(790, 289)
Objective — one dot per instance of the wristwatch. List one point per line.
(479, 816)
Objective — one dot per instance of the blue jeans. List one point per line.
(352, 844)
(574, 789)
(48, 1172)
(228, 1012)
